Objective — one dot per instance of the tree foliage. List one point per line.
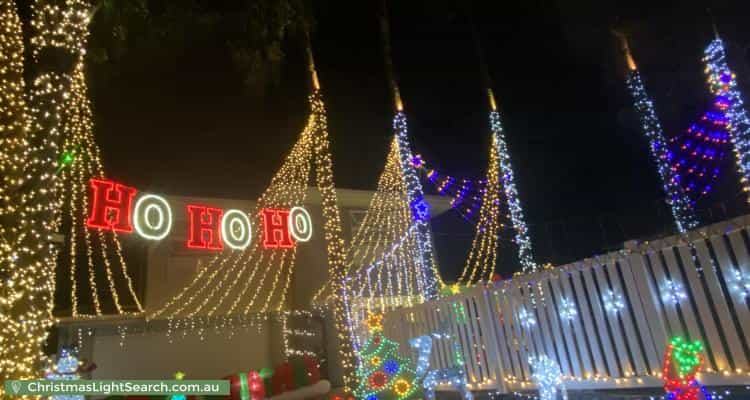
(251, 33)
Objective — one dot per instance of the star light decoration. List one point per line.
(672, 292)
(568, 309)
(613, 302)
(722, 82)
(420, 209)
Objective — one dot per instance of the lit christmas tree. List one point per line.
(29, 155)
(700, 150)
(382, 373)
(722, 82)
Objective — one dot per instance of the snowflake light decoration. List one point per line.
(613, 302)
(568, 309)
(740, 284)
(527, 319)
(672, 292)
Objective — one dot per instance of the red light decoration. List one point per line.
(682, 361)
(204, 227)
(378, 379)
(276, 229)
(111, 205)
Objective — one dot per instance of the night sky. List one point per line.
(178, 121)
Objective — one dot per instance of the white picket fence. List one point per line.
(691, 285)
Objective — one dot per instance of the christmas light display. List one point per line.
(679, 202)
(486, 193)
(385, 262)
(482, 257)
(466, 194)
(740, 283)
(259, 280)
(454, 375)
(209, 228)
(29, 162)
(547, 376)
(147, 208)
(420, 212)
(205, 227)
(526, 318)
(699, 151)
(568, 310)
(507, 178)
(398, 381)
(613, 302)
(300, 224)
(723, 83)
(98, 253)
(422, 345)
(236, 230)
(179, 375)
(672, 292)
(65, 369)
(276, 229)
(682, 361)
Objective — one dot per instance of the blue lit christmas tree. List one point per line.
(698, 153)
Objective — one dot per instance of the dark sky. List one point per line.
(179, 122)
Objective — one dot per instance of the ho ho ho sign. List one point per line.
(120, 208)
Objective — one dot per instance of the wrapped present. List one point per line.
(282, 378)
(266, 374)
(246, 386)
(299, 372)
(313, 369)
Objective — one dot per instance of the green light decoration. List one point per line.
(686, 355)
(460, 312)
(68, 158)
(382, 374)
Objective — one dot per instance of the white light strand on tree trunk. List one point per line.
(682, 209)
(419, 208)
(507, 177)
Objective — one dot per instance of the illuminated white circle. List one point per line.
(300, 224)
(230, 235)
(144, 207)
(147, 219)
